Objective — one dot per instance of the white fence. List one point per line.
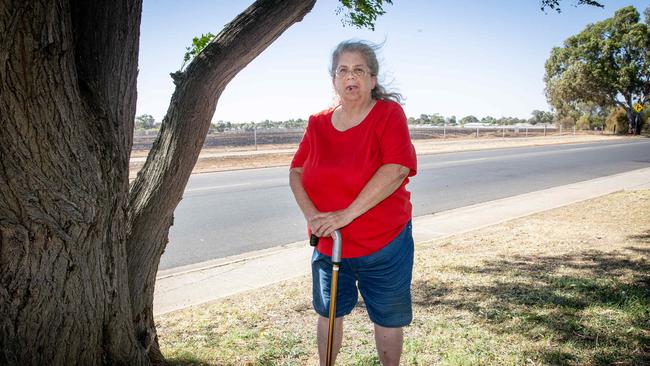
(253, 138)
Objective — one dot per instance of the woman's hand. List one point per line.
(384, 182)
(323, 224)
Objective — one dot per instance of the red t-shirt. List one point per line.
(337, 165)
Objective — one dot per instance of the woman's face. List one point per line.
(352, 78)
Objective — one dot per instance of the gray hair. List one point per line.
(367, 50)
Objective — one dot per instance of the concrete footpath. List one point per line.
(195, 284)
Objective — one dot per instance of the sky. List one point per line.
(462, 57)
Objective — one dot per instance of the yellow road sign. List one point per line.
(638, 107)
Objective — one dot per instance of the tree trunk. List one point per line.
(634, 125)
(67, 101)
(159, 186)
(631, 123)
(78, 251)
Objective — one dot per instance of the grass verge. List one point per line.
(570, 286)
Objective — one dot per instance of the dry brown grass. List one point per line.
(570, 286)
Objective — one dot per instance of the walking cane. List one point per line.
(336, 263)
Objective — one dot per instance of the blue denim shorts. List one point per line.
(383, 278)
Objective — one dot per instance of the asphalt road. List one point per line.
(234, 212)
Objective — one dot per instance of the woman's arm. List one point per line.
(382, 184)
(304, 202)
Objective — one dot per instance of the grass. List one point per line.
(569, 286)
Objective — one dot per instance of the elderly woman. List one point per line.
(350, 173)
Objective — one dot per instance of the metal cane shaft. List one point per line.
(330, 333)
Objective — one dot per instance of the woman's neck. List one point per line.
(349, 115)
(352, 110)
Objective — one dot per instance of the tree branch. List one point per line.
(555, 4)
(159, 186)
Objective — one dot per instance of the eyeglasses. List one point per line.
(358, 72)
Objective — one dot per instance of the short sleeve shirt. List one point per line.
(338, 164)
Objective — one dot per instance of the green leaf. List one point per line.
(555, 4)
(361, 13)
(198, 44)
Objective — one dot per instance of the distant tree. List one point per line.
(608, 63)
(616, 121)
(489, 120)
(566, 122)
(249, 126)
(590, 115)
(541, 117)
(509, 121)
(451, 120)
(295, 123)
(145, 122)
(583, 123)
(468, 119)
(437, 119)
(220, 126)
(595, 113)
(590, 109)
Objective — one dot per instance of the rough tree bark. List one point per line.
(159, 186)
(78, 250)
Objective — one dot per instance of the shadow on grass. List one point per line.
(644, 238)
(186, 361)
(596, 303)
(428, 294)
